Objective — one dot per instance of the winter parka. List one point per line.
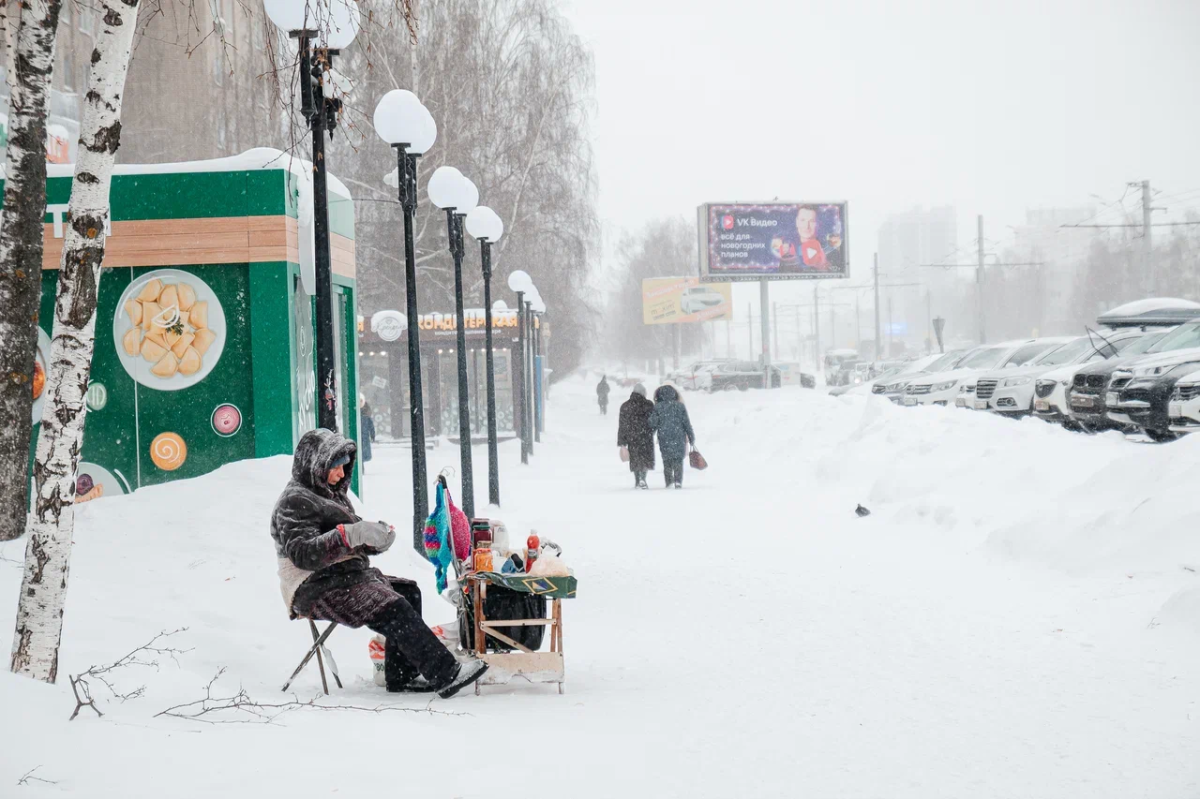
(316, 568)
(670, 420)
(633, 432)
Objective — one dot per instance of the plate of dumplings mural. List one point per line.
(169, 330)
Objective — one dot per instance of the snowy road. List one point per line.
(1020, 616)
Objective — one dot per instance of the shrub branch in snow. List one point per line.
(144, 655)
(240, 708)
(28, 777)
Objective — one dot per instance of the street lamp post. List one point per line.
(486, 226)
(520, 283)
(457, 196)
(322, 28)
(405, 124)
(531, 392)
(539, 408)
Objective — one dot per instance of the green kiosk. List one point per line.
(205, 322)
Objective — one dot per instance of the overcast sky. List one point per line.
(990, 106)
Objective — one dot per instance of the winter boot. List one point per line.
(417, 685)
(466, 674)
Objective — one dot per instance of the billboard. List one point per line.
(667, 300)
(779, 241)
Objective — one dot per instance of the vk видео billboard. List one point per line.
(743, 241)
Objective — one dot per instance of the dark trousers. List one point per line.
(639, 476)
(672, 470)
(411, 647)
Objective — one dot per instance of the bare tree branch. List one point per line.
(240, 708)
(82, 688)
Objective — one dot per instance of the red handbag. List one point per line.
(696, 460)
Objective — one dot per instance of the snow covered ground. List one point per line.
(1019, 616)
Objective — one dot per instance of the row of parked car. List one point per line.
(1139, 371)
(733, 375)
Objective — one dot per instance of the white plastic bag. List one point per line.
(377, 648)
(549, 565)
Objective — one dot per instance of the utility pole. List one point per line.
(857, 322)
(775, 330)
(1147, 242)
(979, 283)
(890, 328)
(878, 340)
(928, 321)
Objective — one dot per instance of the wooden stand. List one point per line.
(536, 667)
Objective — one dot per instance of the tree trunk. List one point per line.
(52, 523)
(21, 251)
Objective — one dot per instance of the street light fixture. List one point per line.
(520, 282)
(405, 124)
(486, 227)
(322, 28)
(458, 196)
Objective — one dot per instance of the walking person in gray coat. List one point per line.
(670, 420)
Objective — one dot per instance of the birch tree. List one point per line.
(21, 248)
(52, 521)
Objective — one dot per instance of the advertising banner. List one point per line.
(667, 300)
(782, 241)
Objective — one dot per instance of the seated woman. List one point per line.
(325, 572)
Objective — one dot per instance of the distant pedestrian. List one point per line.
(670, 420)
(602, 389)
(367, 433)
(634, 433)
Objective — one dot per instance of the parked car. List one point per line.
(1089, 391)
(839, 366)
(740, 376)
(892, 386)
(692, 376)
(942, 388)
(1012, 393)
(1183, 409)
(698, 298)
(1139, 395)
(1050, 390)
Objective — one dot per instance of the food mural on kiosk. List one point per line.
(209, 360)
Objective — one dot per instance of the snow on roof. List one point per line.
(1149, 305)
(257, 158)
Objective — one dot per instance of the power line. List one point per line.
(1154, 224)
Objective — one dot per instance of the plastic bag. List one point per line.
(549, 565)
(377, 649)
(624, 454)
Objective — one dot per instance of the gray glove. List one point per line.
(377, 536)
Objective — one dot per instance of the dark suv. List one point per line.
(1089, 389)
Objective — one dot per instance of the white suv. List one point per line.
(1010, 391)
(942, 388)
(1184, 407)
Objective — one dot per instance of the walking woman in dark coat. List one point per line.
(634, 433)
(670, 420)
(602, 389)
(325, 572)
